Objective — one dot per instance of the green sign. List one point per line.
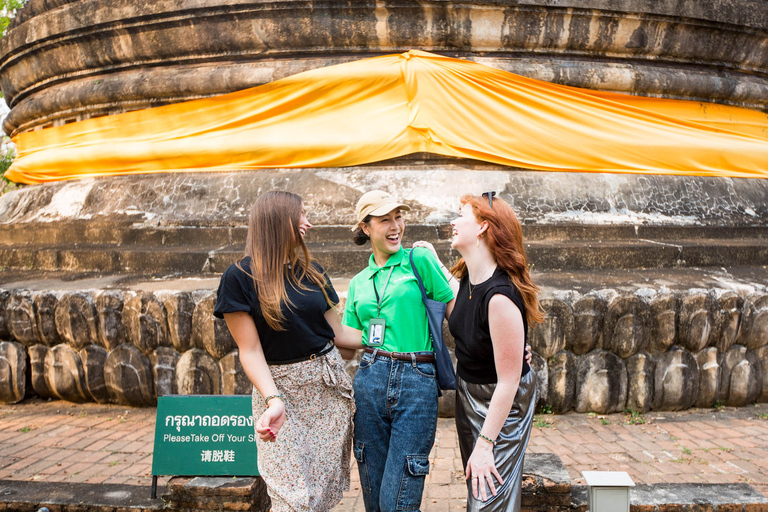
(204, 436)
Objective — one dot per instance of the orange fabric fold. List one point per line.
(384, 107)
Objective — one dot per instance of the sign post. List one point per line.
(206, 435)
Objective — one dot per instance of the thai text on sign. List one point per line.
(204, 436)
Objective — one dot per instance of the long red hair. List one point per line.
(504, 238)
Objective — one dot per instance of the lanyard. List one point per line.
(379, 300)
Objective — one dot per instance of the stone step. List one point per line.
(207, 234)
(344, 258)
(682, 497)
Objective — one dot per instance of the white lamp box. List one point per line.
(608, 490)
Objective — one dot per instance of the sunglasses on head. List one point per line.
(489, 196)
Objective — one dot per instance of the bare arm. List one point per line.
(347, 339)
(254, 363)
(507, 334)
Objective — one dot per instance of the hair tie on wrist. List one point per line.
(487, 439)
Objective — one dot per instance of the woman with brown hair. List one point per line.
(279, 306)
(496, 393)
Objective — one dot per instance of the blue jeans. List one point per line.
(395, 426)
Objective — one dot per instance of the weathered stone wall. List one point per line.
(602, 351)
(64, 61)
(430, 185)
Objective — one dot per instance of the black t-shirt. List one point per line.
(469, 326)
(306, 329)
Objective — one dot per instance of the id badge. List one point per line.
(376, 329)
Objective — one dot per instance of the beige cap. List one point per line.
(376, 202)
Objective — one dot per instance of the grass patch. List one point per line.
(633, 417)
(542, 422)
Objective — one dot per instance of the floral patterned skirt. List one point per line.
(306, 468)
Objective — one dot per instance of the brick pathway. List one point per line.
(62, 442)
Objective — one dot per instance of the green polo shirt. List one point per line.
(402, 306)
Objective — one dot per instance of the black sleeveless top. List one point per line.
(306, 329)
(469, 326)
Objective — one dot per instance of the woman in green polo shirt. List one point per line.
(395, 386)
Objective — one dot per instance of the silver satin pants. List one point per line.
(472, 401)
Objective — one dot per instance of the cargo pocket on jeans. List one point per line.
(362, 467)
(412, 485)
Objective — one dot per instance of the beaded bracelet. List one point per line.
(487, 439)
(270, 397)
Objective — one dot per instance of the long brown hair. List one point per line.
(274, 240)
(504, 238)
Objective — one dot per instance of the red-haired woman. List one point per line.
(279, 307)
(496, 392)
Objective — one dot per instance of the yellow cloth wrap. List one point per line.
(384, 107)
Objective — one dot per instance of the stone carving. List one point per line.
(351, 366)
(5, 297)
(754, 333)
(664, 310)
(741, 377)
(562, 382)
(709, 377)
(588, 316)
(697, 320)
(601, 383)
(234, 381)
(109, 305)
(640, 373)
(728, 320)
(676, 381)
(145, 322)
(762, 356)
(64, 374)
(21, 317)
(93, 358)
(77, 320)
(37, 355)
(179, 308)
(598, 380)
(13, 372)
(45, 318)
(209, 332)
(548, 338)
(627, 326)
(539, 365)
(197, 373)
(128, 375)
(164, 361)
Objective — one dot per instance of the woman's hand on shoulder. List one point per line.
(270, 422)
(426, 245)
(481, 469)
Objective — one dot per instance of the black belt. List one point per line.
(322, 352)
(403, 356)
